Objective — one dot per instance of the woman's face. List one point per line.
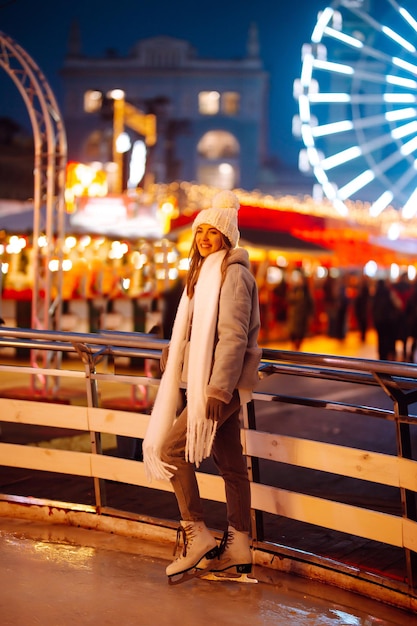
(208, 239)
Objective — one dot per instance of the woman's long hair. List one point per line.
(196, 261)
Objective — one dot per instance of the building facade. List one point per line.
(211, 114)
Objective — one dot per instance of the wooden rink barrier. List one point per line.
(392, 529)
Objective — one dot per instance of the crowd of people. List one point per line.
(394, 314)
(299, 309)
(344, 303)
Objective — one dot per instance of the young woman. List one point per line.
(213, 350)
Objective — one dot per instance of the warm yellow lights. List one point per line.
(116, 94)
(139, 260)
(70, 242)
(208, 102)
(321, 272)
(93, 100)
(15, 245)
(184, 265)
(97, 243)
(54, 265)
(123, 143)
(84, 180)
(167, 208)
(371, 269)
(92, 266)
(84, 241)
(282, 261)
(172, 256)
(394, 271)
(168, 211)
(274, 275)
(118, 250)
(159, 257)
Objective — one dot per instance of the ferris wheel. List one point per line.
(357, 104)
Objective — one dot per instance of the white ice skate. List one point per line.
(234, 561)
(198, 551)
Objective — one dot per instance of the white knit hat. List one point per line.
(222, 215)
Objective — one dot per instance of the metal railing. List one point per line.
(329, 442)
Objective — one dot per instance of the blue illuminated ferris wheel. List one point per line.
(357, 104)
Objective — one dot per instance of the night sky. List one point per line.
(216, 29)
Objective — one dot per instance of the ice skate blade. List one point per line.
(227, 576)
(183, 577)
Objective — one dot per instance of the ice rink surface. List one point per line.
(53, 575)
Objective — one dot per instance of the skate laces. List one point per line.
(225, 541)
(182, 534)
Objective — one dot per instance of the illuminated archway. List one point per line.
(48, 176)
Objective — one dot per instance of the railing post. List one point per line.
(401, 404)
(95, 438)
(249, 422)
(408, 498)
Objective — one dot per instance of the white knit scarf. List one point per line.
(200, 430)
